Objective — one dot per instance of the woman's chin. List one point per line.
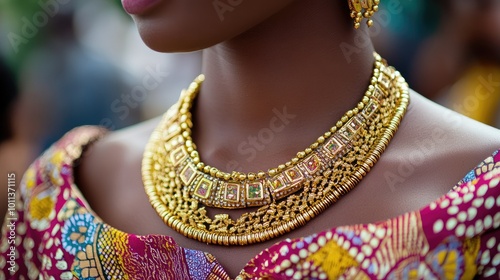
(170, 42)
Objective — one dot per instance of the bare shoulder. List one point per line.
(435, 146)
(445, 132)
(109, 175)
(118, 148)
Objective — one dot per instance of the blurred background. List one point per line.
(68, 63)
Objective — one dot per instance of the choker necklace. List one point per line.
(179, 185)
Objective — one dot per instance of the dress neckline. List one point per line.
(89, 135)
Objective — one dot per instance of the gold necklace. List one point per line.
(179, 184)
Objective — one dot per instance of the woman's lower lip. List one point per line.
(136, 7)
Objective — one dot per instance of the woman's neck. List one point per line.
(271, 91)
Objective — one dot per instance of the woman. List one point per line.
(275, 80)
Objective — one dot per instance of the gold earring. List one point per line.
(363, 8)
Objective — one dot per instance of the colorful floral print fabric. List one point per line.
(58, 236)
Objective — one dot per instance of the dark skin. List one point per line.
(290, 59)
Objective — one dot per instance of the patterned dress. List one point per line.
(51, 233)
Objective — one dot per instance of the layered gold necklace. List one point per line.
(180, 185)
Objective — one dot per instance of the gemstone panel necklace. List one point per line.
(180, 185)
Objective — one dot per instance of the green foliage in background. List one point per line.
(16, 16)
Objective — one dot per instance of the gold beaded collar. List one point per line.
(179, 184)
